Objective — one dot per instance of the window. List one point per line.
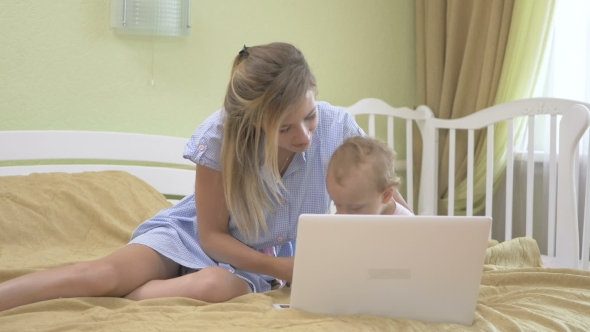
(566, 68)
(566, 72)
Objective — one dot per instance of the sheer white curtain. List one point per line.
(566, 74)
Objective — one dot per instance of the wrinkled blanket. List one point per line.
(48, 220)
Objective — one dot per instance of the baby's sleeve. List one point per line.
(204, 146)
(401, 210)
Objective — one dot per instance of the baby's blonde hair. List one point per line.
(268, 83)
(359, 150)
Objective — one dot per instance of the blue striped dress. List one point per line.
(173, 231)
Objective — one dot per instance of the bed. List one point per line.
(79, 195)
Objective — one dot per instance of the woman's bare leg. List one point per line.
(211, 284)
(117, 275)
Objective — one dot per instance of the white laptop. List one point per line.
(425, 268)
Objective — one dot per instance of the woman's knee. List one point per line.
(127, 269)
(216, 284)
(99, 277)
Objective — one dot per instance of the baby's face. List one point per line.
(356, 194)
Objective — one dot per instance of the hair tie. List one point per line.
(244, 51)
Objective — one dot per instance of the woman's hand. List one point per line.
(282, 268)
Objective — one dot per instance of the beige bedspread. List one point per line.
(57, 219)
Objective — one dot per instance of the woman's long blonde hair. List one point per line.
(267, 83)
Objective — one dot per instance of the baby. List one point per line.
(361, 178)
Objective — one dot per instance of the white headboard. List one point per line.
(153, 158)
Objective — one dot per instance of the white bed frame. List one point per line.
(155, 159)
(158, 160)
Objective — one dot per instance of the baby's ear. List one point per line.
(387, 195)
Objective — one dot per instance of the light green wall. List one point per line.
(63, 67)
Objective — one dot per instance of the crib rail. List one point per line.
(515, 117)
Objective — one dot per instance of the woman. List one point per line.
(261, 162)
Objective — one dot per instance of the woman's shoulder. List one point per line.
(332, 114)
(336, 122)
(214, 120)
(206, 140)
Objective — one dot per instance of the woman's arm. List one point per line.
(213, 220)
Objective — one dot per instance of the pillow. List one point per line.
(53, 219)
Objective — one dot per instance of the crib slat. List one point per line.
(530, 176)
(577, 177)
(577, 167)
(509, 180)
(410, 163)
(372, 125)
(451, 192)
(490, 171)
(586, 229)
(435, 173)
(390, 132)
(470, 148)
(552, 186)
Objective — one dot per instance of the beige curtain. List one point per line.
(460, 51)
